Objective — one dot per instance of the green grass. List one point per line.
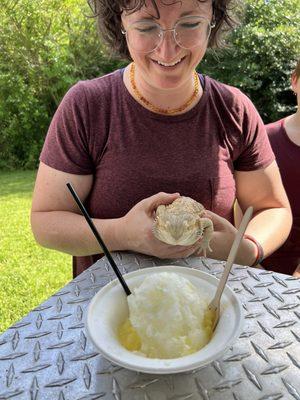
(29, 274)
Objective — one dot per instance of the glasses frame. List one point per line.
(162, 32)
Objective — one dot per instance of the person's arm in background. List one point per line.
(57, 223)
(271, 221)
(296, 273)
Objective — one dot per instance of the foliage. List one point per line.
(47, 45)
(261, 55)
(29, 274)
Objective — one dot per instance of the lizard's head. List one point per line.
(176, 229)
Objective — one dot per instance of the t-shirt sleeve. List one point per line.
(255, 151)
(66, 145)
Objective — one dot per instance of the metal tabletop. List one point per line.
(47, 355)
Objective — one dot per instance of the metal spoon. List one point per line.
(214, 305)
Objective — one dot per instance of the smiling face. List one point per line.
(169, 65)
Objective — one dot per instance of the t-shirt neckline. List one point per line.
(286, 136)
(151, 114)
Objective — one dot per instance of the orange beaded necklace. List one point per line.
(163, 110)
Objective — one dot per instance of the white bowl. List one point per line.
(109, 308)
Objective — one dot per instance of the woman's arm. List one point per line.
(57, 223)
(55, 218)
(271, 221)
(272, 218)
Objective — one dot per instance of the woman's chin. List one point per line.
(167, 82)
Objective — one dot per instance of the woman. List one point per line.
(139, 137)
(284, 136)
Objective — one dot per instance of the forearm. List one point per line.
(69, 232)
(221, 245)
(272, 220)
(270, 228)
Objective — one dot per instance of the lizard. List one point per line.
(183, 223)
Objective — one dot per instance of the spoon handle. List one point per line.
(231, 257)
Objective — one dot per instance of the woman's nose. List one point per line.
(168, 46)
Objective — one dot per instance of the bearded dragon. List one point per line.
(183, 223)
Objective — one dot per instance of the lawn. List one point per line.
(29, 274)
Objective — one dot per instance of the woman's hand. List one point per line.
(137, 230)
(136, 234)
(223, 237)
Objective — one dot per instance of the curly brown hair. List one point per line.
(108, 14)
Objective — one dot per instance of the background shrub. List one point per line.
(48, 45)
(45, 47)
(260, 56)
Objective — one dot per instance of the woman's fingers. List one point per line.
(179, 251)
(151, 203)
(219, 222)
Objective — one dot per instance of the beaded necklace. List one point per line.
(163, 110)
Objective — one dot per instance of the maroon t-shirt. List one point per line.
(287, 153)
(133, 153)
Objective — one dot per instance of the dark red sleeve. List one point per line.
(256, 151)
(66, 144)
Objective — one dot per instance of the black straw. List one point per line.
(99, 239)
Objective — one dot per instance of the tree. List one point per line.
(261, 55)
(45, 47)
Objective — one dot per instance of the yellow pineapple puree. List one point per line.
(128, 337)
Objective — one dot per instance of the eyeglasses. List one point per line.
(188, 32)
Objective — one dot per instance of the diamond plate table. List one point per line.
(47, 355)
